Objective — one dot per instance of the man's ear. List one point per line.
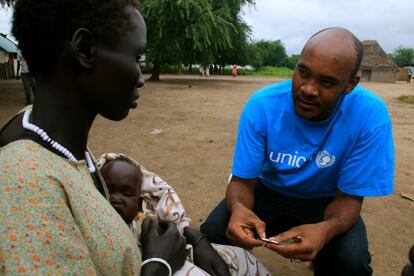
(351, 84)
(83, 47)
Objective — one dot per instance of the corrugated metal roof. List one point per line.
(7, 45)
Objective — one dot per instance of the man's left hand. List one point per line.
(312, 239)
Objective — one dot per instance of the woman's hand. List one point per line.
(205, 257)
(166, 244)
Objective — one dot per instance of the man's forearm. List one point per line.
(240, 191)
(341, 214)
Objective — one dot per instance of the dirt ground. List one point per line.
(195, 122)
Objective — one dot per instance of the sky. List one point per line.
(390, 22)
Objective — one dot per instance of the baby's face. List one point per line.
(124, 185)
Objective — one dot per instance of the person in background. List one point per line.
(27, 79)
(234, 71)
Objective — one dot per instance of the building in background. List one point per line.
(8, 58)
(376, 65)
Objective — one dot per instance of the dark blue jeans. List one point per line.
(346, 254)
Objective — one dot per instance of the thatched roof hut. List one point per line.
(376, 65)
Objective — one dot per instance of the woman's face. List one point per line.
(116, 76)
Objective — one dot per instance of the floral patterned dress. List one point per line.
(54, 221)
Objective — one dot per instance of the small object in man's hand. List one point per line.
(296, 239)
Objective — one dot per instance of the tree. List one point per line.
(237, 52)
(193, 31)
(403, 56)
(267, 53)
(176, 28)
(292, 61)
(6, 3)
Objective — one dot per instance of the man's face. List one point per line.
(124, 185)
(322, 76)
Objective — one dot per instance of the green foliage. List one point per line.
(194, 31)
(403, 56)
(282, 72)
(292, 61)
(267, 53)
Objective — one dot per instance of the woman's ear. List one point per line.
(83, 47)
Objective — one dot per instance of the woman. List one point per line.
(53, 220)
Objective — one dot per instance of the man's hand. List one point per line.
(312, 239)
(244, 226)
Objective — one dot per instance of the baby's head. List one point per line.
(123, 177)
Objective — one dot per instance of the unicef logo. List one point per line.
(324, 159)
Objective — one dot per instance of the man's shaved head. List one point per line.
(326, 71)
(338, 37)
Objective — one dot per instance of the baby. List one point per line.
(123, 179)
(136, 193)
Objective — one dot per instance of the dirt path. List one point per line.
(195, 148)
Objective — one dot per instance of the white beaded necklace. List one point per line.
(29, 126)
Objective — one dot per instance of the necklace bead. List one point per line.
(45, 137)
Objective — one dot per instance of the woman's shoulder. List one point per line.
(27, 156)
(12, 130)
(17, 149)
(21, 150)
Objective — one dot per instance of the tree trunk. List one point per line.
(155, 76)
(190, 68)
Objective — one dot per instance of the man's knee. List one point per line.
(355, 260)
(346, 254)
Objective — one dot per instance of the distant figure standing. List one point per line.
(206, 70)
(410, 74)
(234, 71)
(27, 79)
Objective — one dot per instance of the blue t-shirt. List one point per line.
(352, 150)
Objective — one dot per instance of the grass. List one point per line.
(407, 99)
(281, 72)
(272, 71)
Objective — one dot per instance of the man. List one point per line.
(27, 79)
(308, 151)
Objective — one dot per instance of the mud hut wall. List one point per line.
(383, 76)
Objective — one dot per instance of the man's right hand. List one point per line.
(244, 227)
(168, 245)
